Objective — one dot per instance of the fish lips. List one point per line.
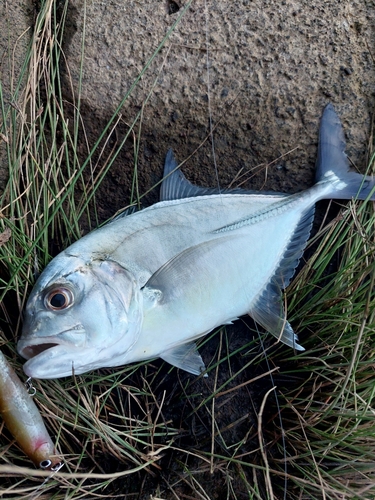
(53, 359)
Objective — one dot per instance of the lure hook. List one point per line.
(29, 387)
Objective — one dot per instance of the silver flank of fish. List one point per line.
(150, 283)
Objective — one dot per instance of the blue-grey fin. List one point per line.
(331, 148)
(128, 211)
(185, 357)
(294, 250)
(333, 165)
(175, 186)
(180, 269)
(268, 310)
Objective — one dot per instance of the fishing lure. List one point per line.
(22, 418)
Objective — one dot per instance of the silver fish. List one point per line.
(149, 284)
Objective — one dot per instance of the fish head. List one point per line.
(81, 315)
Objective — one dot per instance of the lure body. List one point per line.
(23, 420)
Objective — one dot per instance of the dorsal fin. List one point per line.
(175, 186)
(128, 211)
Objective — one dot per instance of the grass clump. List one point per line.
(329, 416)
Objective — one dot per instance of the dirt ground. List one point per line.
(262, 71)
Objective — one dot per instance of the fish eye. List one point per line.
(58, 299)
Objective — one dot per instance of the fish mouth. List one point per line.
(53, 360)
(30, 351)
(29, 348)
(57, 355)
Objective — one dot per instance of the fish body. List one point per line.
(149, 284)
(23, 420)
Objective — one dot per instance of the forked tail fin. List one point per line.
(333, 165)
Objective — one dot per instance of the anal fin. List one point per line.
(269, 312)
(186, 357)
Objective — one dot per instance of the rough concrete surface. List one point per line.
(15, 23)
(272, 67)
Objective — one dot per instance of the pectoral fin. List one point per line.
(185, 357)
(178, 276)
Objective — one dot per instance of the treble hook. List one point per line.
(57, 467)
(29, 387)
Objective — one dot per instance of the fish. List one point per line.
(22, 418)
(150, 283)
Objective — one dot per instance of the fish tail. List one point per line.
(333, 168)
